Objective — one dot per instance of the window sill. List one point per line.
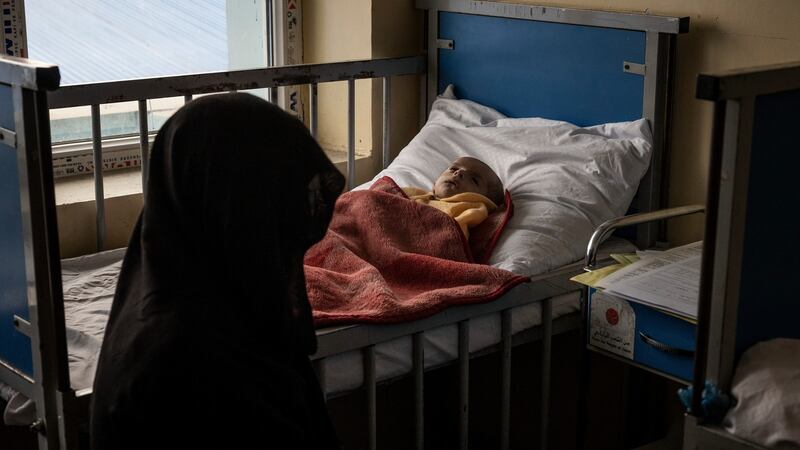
(122, 182)
(116, 183)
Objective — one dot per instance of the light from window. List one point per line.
(105, 40)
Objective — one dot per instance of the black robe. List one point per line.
(210, 330)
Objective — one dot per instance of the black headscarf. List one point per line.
(210, 327)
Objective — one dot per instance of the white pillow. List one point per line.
(564, 180)
(766, 386)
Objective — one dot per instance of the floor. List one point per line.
(17, 438)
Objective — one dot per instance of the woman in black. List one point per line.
(209, 334)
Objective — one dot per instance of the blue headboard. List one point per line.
(540, 61)
(580, 66)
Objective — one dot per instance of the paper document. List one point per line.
(625, 258)
(593, 277)
(669, 280)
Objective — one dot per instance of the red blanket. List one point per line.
(389, 259)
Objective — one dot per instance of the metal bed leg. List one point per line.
(369, 383)
(419, 392)
(99, 196)
(547, 339)
(312, 109)
(505, 380)
(351, 134)
(320, 370)
(144, 142)
(584, 375)
(387, 97)
(463, 365)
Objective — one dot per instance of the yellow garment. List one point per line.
(468, 208)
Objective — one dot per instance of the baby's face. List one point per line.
(466, 175)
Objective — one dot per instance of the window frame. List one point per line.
(120, 148)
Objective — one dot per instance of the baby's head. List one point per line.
(467, 174)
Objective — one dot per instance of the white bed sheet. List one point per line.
(89, 282)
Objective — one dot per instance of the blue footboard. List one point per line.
(15, 347)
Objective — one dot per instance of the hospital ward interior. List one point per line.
(399, 224)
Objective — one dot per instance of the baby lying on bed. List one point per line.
(386, 259)
(468, 191)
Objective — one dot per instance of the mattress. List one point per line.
(89, 282)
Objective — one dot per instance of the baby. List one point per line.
(468, 191)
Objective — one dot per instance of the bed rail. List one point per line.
(186, 86)
(29, 74)
(364, 337)
(204, 83)
(606, 228)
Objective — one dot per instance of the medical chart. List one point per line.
(668, 280)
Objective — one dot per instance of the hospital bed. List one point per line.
(580, 66)
(747, 300)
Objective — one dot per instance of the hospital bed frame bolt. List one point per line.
(38, 426)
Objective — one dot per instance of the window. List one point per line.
(105, 40)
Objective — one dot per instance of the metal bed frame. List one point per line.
(751, 168)
(720, 320)
(34, 87)
(35, 90)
